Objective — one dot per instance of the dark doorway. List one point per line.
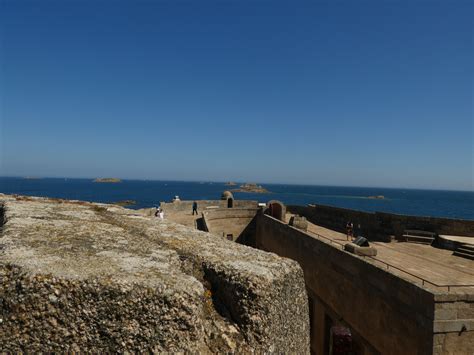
(230, 202)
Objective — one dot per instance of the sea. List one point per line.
(435, 203)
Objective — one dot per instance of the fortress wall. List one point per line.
(187, 205)
(387, 313)
(236, 222)
(378, 225)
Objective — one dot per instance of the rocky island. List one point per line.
(251, 188)
(108, 180)
(125, 203)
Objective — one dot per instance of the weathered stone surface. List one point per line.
(299, 222)
(93, 277)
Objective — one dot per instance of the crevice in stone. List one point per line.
(2, 216)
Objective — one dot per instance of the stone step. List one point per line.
(463, 255)
(465, 250)
(467, 247)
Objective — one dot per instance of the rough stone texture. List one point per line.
(78, 276)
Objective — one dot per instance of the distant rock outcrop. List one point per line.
(125, 203)
(108, 180)
(251, 188)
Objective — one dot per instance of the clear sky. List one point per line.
(357, 93)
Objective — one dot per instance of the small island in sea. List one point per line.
(252, 188)
(230, 183)
(108, 180)
(125, 203)
(378, 197)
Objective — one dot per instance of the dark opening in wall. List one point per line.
(276, 209)
(230, 203)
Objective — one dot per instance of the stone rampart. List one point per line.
(380, 226)
(84, 277)
(187, 205)
(388, 314)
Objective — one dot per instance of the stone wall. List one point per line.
(380, 226)
(231, 223)
(388, 315)
(187, 205)
(451, 315)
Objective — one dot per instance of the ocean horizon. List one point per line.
(149, 193)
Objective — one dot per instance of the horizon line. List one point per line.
(33, 177)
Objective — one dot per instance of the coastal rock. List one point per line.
(107, 180)
(78, 276)
(251, 188)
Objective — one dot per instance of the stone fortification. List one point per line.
(387, 311)
(186, 206)
(78, 276)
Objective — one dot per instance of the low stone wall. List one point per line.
(380, 226)
(388, 314)
(231, 223)
(187, 205)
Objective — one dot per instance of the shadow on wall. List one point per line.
(247, 236)
(2, 216)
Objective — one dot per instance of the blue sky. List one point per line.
(357, 93)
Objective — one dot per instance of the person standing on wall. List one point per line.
(195, 207)
(350, 230)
